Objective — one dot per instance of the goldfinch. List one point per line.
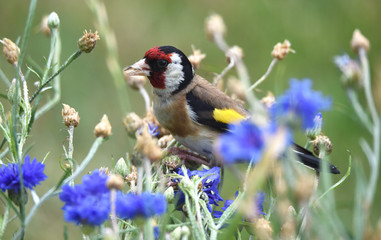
(190, 107)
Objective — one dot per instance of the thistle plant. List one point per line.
(152, 192)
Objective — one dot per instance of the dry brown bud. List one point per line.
(132, 122)
(150, 118)
(146, 145)
(322, 143)
(263, 229)
(359, 41)
(237, 88)
(132, 177)
(269, 100)
(103, 128)
(44, 26)
(214, 25)
(304, 187)
(135, 82)
(10, 51)
(70, 116)
(234, 52)
(281, 50)
(115, 182)
(87, 42)
(196, 57)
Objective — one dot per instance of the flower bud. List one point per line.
(164, 141)
(132, 122)
(53, 20)
(12, 91)
(132, 177)
(10, 51)
(87, 42)
(196, 58)
(359, 41)
(103, 128)
(176, 234)
(263, 229)
(234, 52)
(214, 25)
(70, 116)
(172, 162)
(115, 182)
(146, 145)
(312, 133)
(350, 69)
(269, 100)
(322, 144)
(169, 194)
(121, 168)
(281, 50)
(15, 196)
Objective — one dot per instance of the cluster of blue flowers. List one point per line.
(32, 174)
(211, 179)
(89, 203)
(245, 141)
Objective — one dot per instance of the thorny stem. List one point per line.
(259, 81)
(67, 63)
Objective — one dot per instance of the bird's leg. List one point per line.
(187, 155)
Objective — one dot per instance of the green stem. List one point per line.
(67, 63)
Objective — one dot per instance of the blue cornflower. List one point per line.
(153, 129)
(211, 179)
(244, 141)
(87, 203)
(129, 206)
(32, 172)
(259, 199)
(300, 102)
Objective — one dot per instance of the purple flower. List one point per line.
(129, 206)
(87, 203)
(32, 172)
(244, 141)
(300, 103)
(211, 179)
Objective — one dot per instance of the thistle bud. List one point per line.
(121, 168)
(53, 20)
(44, 26)
(214, 25)
(103, 128)
(281, 50)
(322, 144)
(359, 41)
(87, 42)
(10, 51)
(70, 116)
(115, 182)
(196, 58)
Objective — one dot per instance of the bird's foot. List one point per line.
(188, 156)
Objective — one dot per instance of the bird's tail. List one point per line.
(307, 158)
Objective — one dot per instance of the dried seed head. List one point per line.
(234, 53)
(359, 41)
(281, 50)
(44, 26)
(132, 122)
(115, 181)
(53, 20)
(135, 82)
(132, 177)
(10, 51)
(146, 145)
(103, 128)
(263, 229)
(269, 100)
(322, 144)
(87, 42)
(70, 116)
(214, 26)
(237, 88)
(196, 57)
(304, 187)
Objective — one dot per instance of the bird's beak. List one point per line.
(140, 68)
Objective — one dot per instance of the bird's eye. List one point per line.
(162, 63)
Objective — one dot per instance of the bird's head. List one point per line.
(167, 68)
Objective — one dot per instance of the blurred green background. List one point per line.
(317, 30)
